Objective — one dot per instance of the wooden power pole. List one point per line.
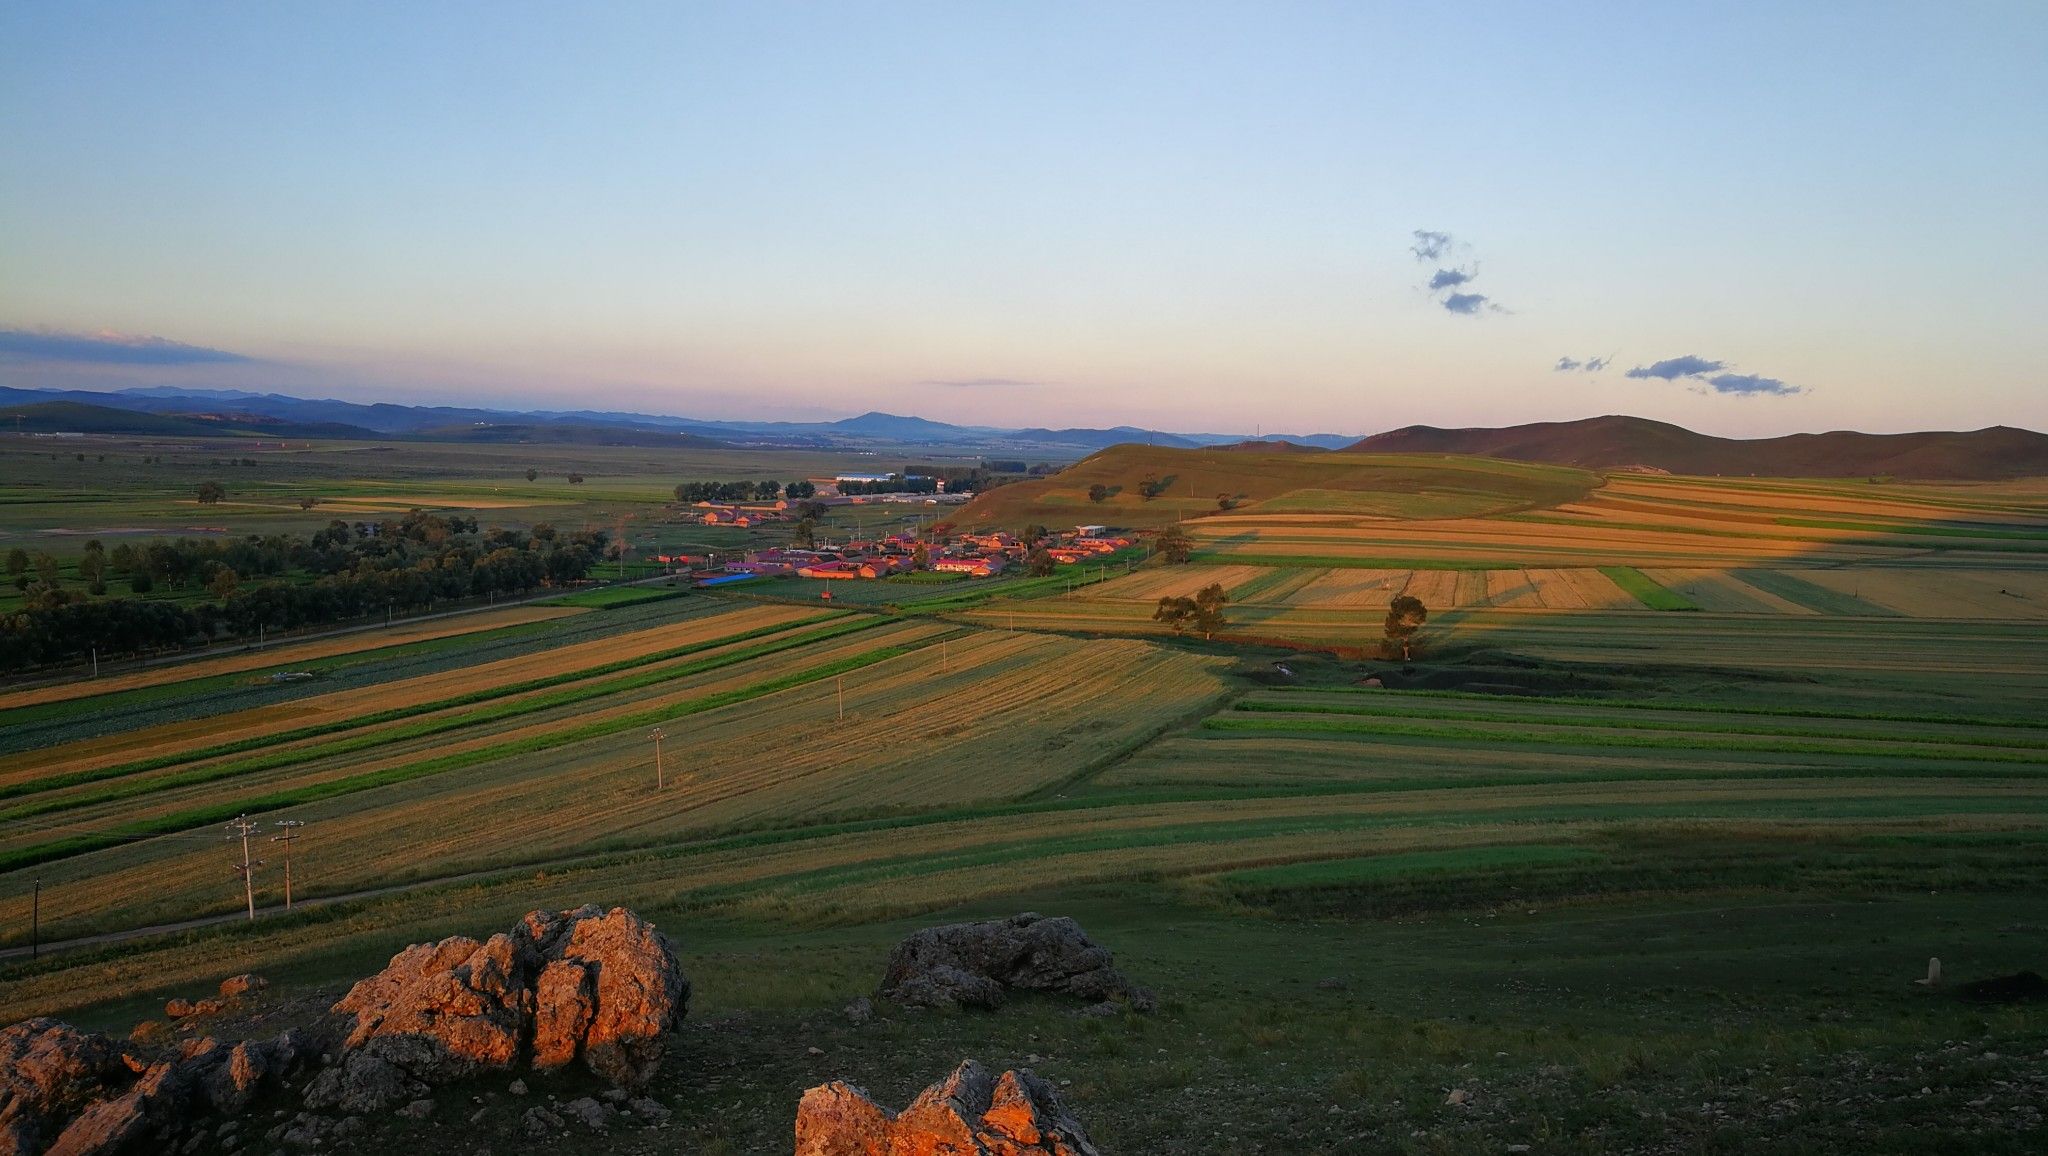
(289, 835)
(242, 828)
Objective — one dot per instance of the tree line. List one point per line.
(284, 581)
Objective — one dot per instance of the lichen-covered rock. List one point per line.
(562, 985)
(972, 964)
(49, 1071)
(969, 1113)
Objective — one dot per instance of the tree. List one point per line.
(1405, 616)
(308, 503)
(1152, 487)
(1226, 502)
(211, 492)
(798, 491)
(223, 583)
(575, 479)
(1173, 545)
(532, 474)
(921, 555)
(1175, 611)
(17, 562)
(767, 491)
(1039, 563)
(46, 568)
(1203, 612)
(1098, 493)
(1209, 603)
(1032, 535)
(805, 536)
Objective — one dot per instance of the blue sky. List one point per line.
(1177, 215)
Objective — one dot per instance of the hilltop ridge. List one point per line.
(1616, 441)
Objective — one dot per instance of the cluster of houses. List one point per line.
(970, 555)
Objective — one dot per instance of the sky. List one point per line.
(1749, 219)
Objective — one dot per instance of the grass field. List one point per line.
(1638, 880)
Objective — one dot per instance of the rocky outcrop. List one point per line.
(973, 964)
(72, 1093)
(237, 986)
(969, 1113)
(603, 987)
(49, 1071)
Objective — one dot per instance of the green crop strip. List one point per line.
(1653, 704)
(1709, 728)
(492, 713)
(1639, 586)
(204, 816)
(1591, 737)
(1339, 562)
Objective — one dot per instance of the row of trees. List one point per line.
(283, 581)
(743, 491)
(1406, 615)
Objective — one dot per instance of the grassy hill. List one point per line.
(1612, 441)
(1290, 481)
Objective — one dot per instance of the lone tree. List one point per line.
(1173, 545)
(1405, 616)
(1203, 612)
(531, 473)
(1039, 563)
(1098, 493)
(211, 492)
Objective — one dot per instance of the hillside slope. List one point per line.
(1189, 483)
(1616, 441)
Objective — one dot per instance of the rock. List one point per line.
(541, 1123)
(1103, 1010)
(237, 986)
(649, 1109)
(156, 1102)
(417, 1110)
(49, 1072)
(814, 1051)
(1016, 1114)
(230, 1085)
(178, 1009)
(614, 1095)
(591, 1114)
(860, 1011)
(1458, 1096)
(2019, 987)
(972, 964)
(600, 986)
(362, 1083)
(516, 1087)
(208, 1007)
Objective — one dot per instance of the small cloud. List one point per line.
(984, 382)
(1467, 303)
(1697, 369)
(1565, 365)
(1450, 278)
(1673, 368)
(1430, 246)
(1751, 383)
(109, 349)
(1590, 365)
(1596, 364)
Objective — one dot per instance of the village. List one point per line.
(932, 548)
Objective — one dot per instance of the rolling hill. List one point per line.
(1189, 483)
(1614, 442)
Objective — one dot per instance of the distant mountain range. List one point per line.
(204, 411)
(1618, 442)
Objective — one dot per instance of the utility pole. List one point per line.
(35, 940)
(95, 662)
(657, 734)
(841, 680)
(290, 835)
(242, 828)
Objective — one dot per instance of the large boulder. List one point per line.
(600, 986)
(969, 1113)
(49, 1071)
(973, 964)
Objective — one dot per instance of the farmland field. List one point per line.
(1656, 731)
